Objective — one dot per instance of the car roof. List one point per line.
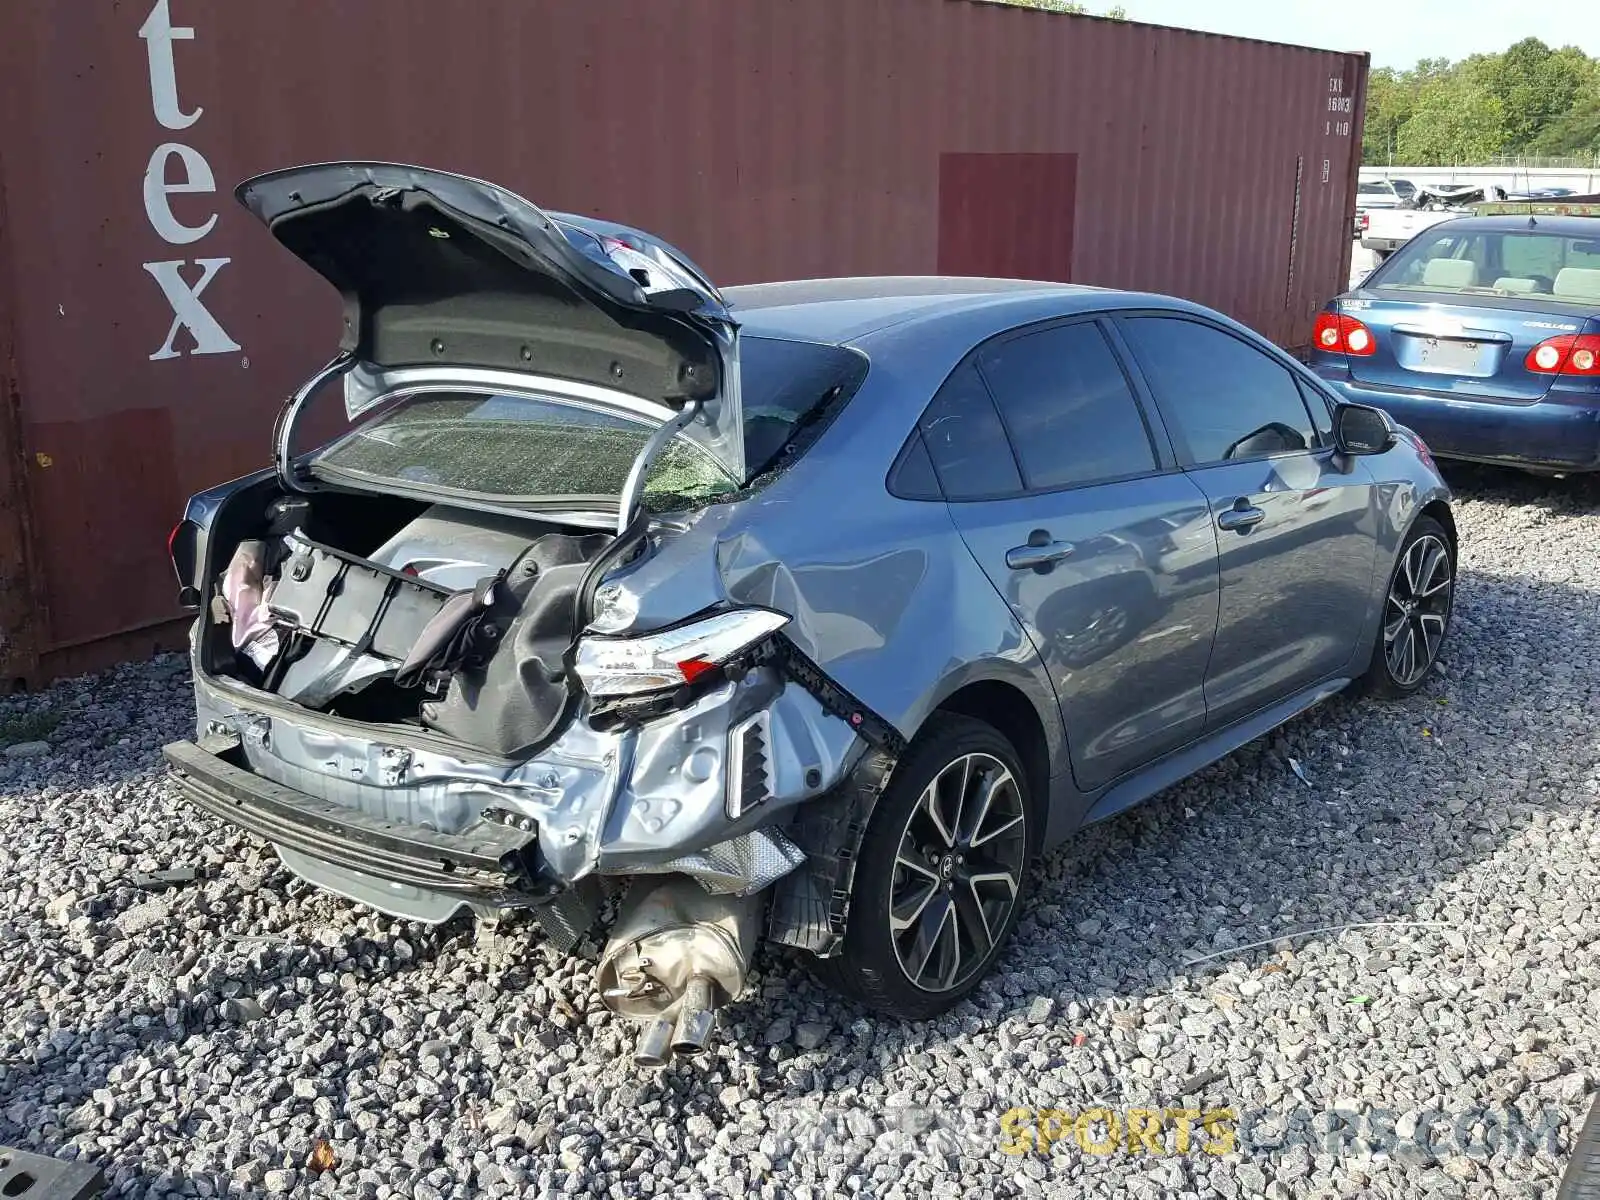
(1499, 222)
(850, 309)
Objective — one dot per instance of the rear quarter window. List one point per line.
(967, 442)
(786, 386)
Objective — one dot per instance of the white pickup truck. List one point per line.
(1387, 229)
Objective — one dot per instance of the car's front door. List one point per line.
(1103, 549)
(1296, 527)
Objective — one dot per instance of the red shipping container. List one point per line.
(149, 329)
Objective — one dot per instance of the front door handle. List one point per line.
(1040, 553)
(1241, 516)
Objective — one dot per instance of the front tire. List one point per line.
(1416, 612)
(940, 874)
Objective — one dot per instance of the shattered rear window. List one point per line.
(516, 448)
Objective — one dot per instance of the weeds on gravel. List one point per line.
(28, 727)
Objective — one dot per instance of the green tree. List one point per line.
(1576, 131)
(1529, 99)
(1457, 119)
(1389, 104)
(1534, 85)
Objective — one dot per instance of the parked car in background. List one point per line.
(1372, 194)
(1483, 335)
(1546, 193)
(807, 611)
(1377, 193)
(1386, 230)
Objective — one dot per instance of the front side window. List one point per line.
(1068, 407)
(1223, 400)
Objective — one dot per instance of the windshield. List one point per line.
(1374, 189)
(1504, 262)
(516, 447)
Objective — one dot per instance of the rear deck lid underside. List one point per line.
(440, 270)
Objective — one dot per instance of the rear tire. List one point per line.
(1417, 603)
(940, 875)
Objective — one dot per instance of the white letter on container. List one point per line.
(187, 311)
(158, 35)
(158, 208)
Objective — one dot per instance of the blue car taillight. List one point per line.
(1568, 354)
(1337, 333)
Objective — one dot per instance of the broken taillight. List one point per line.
(670, 658)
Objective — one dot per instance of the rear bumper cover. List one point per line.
(488, 864)
(1561, 435)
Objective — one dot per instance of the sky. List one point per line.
(1396, 33)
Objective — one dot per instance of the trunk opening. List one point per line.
(391, 611)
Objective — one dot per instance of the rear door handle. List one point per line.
(1241, 517)
(1041, 551)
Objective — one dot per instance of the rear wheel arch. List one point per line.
(1007, 708)
(1440, 512)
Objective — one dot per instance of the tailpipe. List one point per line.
(655, 1044)
(677, 953)
(697, 1016)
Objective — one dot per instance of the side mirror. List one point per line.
(1362, 429)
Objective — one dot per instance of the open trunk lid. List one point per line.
(444, 271)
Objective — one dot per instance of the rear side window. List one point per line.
(1223, 399)
(783, 385)
(1068, 407)
(966, 441)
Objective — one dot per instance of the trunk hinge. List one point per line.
(289, 416)
(633, 489)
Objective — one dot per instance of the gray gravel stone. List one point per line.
(808, 1035)
(256, 1015)
(27, 750)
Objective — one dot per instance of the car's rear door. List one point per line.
(1072, 505)
(1296, 529)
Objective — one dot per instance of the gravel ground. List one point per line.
(206, 1040)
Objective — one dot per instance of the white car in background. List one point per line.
(1386, 229)
(1378, 193)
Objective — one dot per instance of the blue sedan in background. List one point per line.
(1481, 334)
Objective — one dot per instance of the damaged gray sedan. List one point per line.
(805, 612)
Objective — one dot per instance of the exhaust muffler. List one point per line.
(677, 953)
